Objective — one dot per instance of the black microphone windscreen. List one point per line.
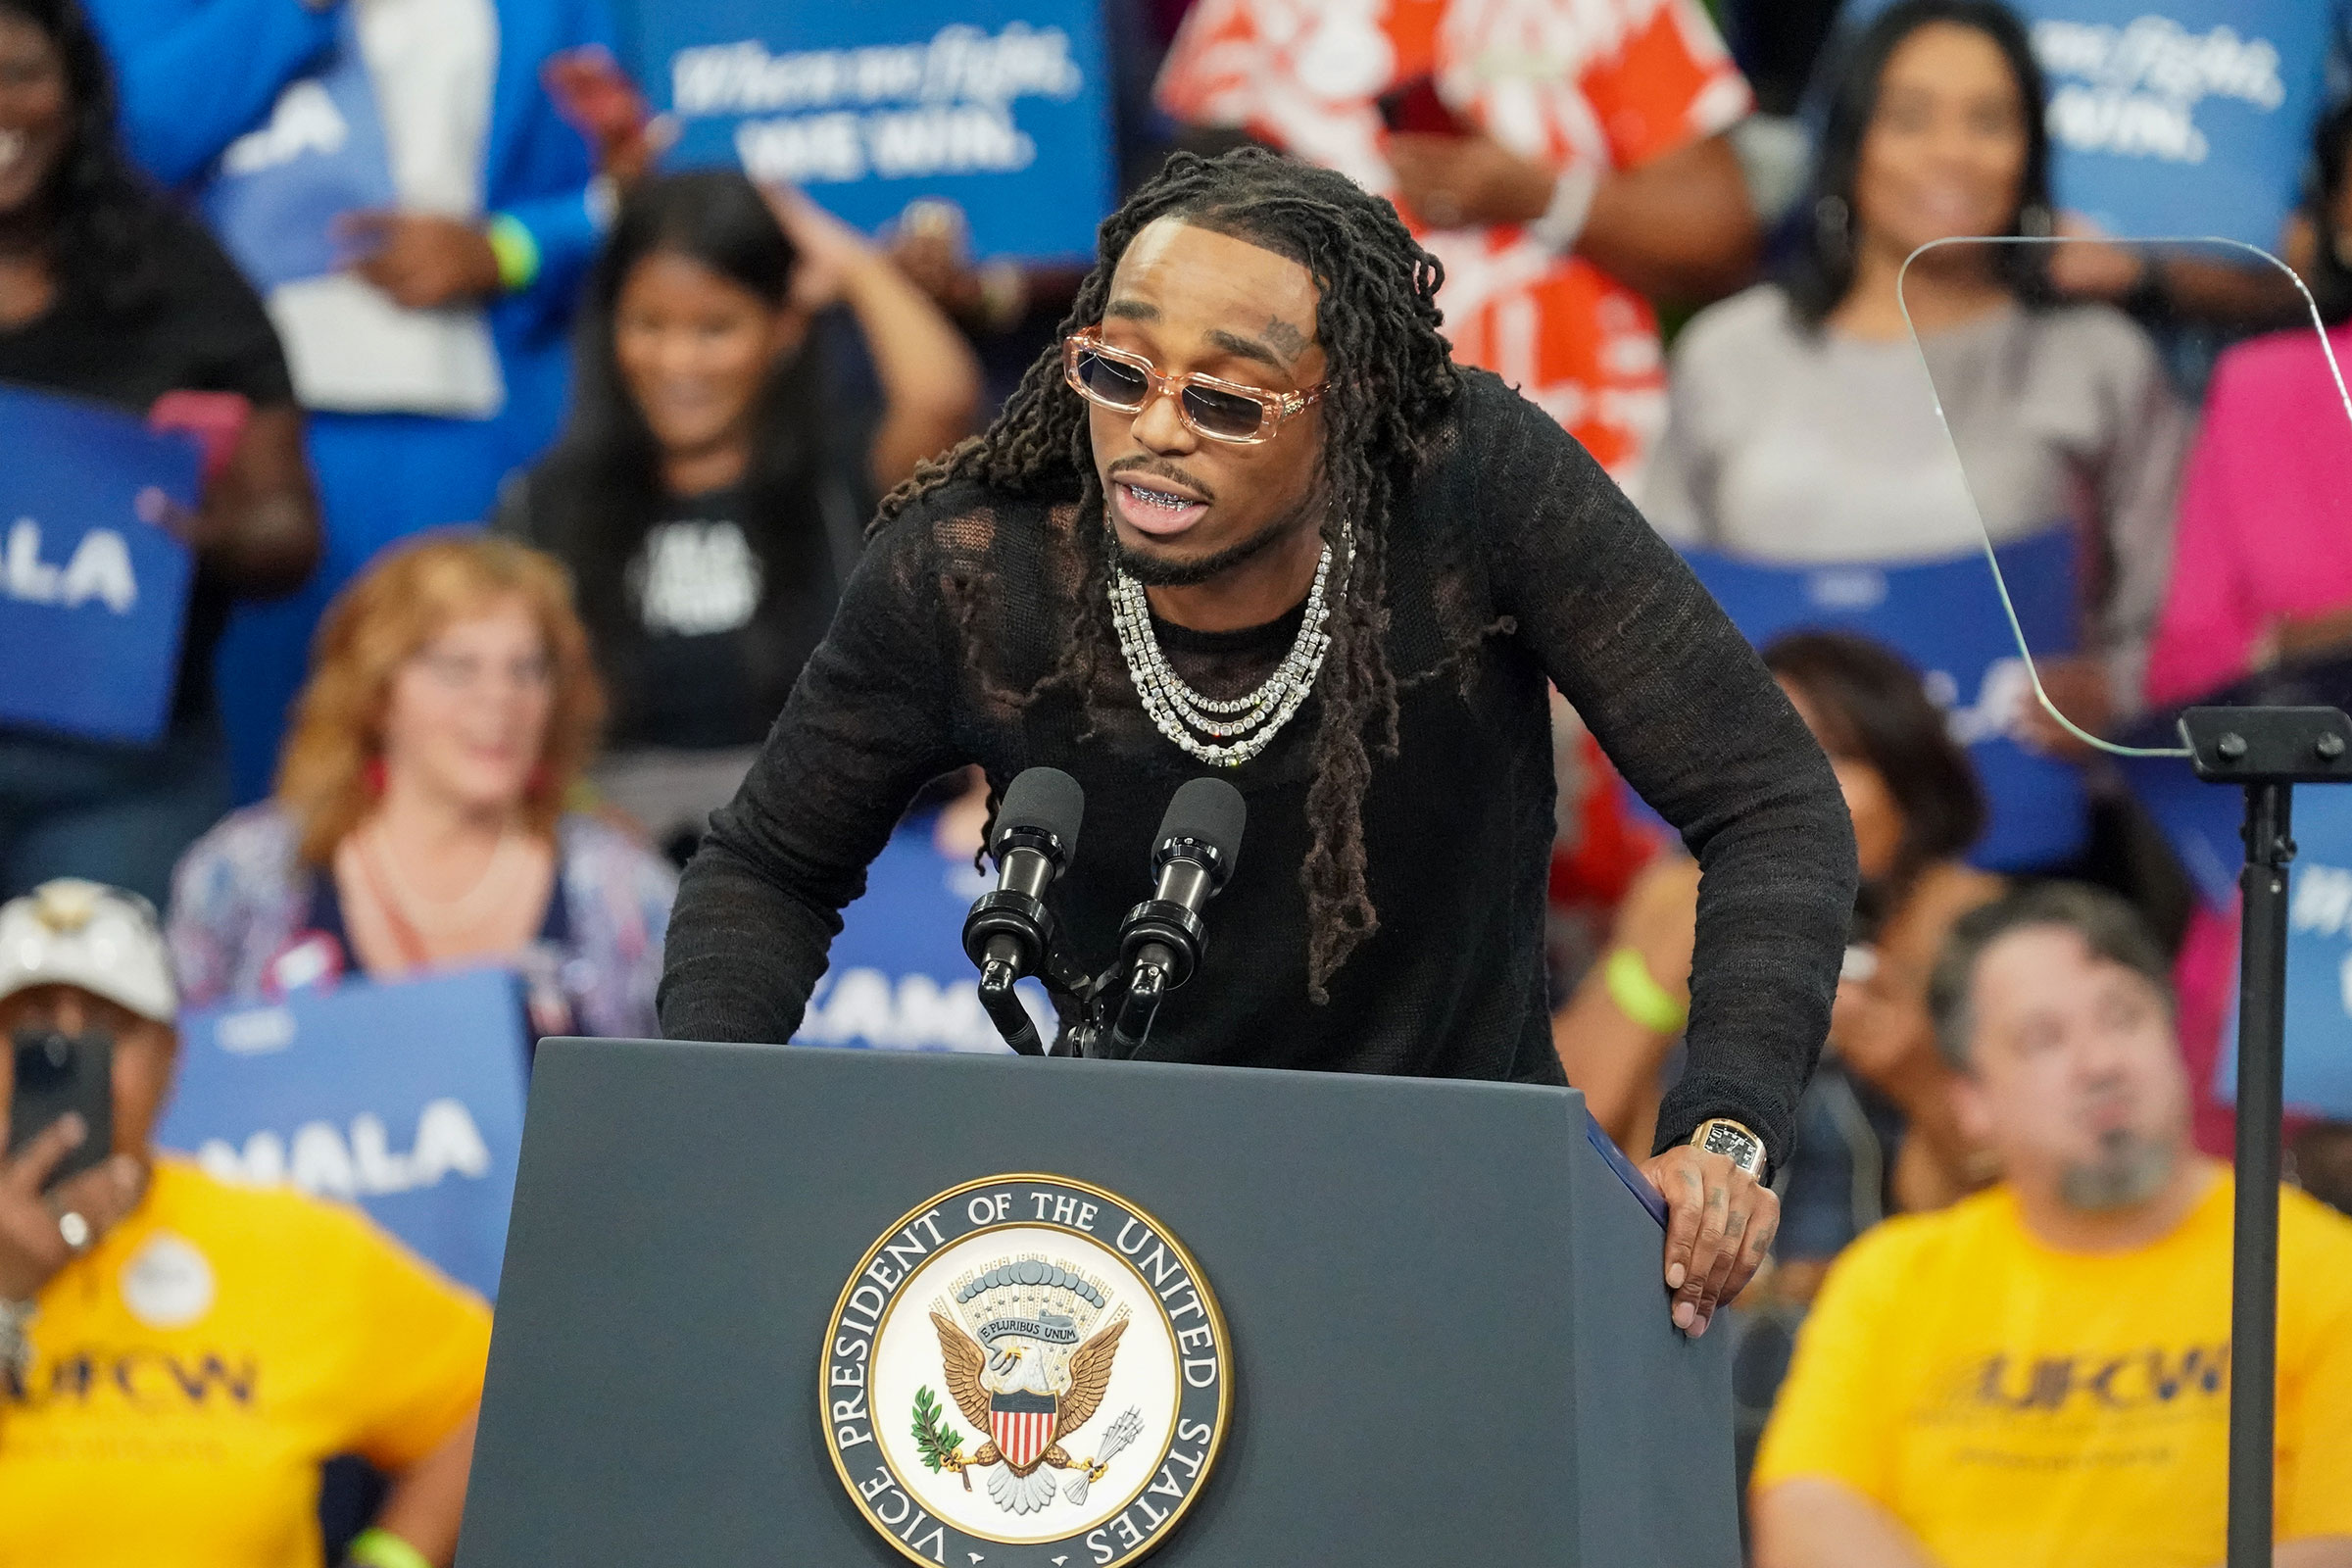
(1044, 798)
(1212, 810)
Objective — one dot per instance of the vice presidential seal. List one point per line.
(1026, 1372)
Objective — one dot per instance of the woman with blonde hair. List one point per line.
(419, 818)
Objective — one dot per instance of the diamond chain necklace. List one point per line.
(1236, 728)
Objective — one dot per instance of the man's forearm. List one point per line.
(1815, 1523)
(2316, 1552)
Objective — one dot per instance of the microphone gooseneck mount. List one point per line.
(1010, 933)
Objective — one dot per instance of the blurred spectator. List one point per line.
(2040, 1375)
(700, 495)
(2150, 98)
(420, 818)
(1876, 1125)
(1563, 158)
(2323, 1157)
(182, 1355)
(1803, 429)
(107, 292)
(429, 338)
(2263, 562)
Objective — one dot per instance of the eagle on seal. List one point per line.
(1027, 1401)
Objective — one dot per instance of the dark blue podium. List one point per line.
(1449, 1338)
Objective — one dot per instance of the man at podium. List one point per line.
(1250, 518)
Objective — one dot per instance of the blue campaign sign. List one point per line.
(2319, 960)
(93, 594)
(1945, 617)
(275, 193)
(1000, 106)
(2178, 116)
(405, 1098)
(898, 979)
(2199, 821)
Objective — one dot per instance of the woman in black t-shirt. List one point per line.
(108, 292)
(700, 494)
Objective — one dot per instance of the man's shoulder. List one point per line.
(2315, 1244)
(1492, 424)
(1911, 1248)
(969, 519)
(192, 1195)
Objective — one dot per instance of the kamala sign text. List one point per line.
(1000, 105)
(93, 591)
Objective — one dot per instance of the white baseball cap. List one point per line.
(102, 939)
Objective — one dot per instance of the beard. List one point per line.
(2131, 1168)
(1160, 572)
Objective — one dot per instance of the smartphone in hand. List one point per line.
(1414, 108)
(57, 1073)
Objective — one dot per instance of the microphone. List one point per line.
(1162, 940)
(1010, 933)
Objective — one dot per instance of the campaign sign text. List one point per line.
(898, 978)
(2318, 1077)
(2186, 118)
(277, 191)
(406, 1098)
(93, 593)
(1000, 106)
(1946, 618)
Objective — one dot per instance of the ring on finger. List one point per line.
(76, 1231)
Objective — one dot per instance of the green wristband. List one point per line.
(517, 250)
(1639, 996)
(381, 1548)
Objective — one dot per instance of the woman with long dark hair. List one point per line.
(107, 293)
(708, 495)
(1803, 428)
(1876, 1129)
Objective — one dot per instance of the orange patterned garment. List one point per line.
(1602, 83)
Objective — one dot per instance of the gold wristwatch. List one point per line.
(1719, 1135)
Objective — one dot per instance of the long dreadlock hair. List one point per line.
(1388, 374)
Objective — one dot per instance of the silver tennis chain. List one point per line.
(1223, 732)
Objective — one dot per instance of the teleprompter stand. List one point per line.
(1450, 1337)
(2267, 752)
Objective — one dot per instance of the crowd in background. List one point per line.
(518, 521)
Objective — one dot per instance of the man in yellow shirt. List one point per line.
(178, 1357)
(2038, 1377)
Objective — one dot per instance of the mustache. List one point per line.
(1159, 470)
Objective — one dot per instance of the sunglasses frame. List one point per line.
(1276, 408)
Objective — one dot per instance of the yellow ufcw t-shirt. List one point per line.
(2017, 1406)
(193, 1369)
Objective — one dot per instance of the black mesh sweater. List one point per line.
(1512, 557)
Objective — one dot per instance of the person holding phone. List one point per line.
(1568, 162)
(178, 1357)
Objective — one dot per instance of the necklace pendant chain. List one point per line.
(1228, 731)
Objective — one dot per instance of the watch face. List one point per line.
(1732, 1142)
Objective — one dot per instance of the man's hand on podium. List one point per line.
(1720, 1222)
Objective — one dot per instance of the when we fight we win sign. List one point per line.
(1002, 107)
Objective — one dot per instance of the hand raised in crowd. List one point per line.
(33, 1244)
(422, 260)
(1720, 1221)
(1457, 181)
(831, 251)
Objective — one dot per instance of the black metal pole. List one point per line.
(2254, 1282)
